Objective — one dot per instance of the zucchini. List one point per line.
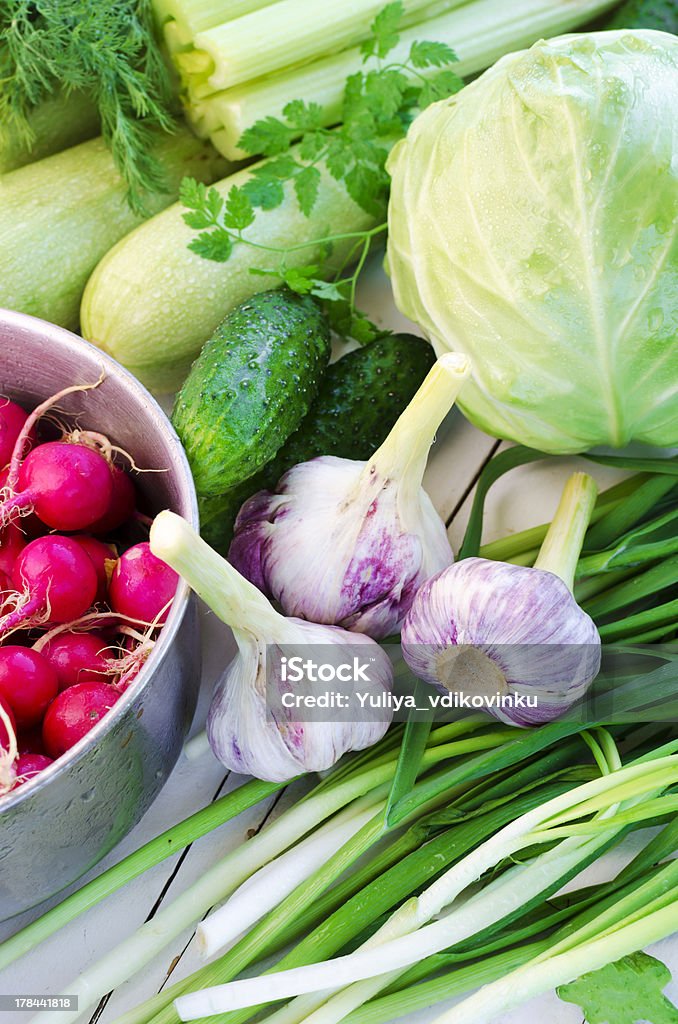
(360, 398)
(152, 303)
(250, 387)
(59, 216)
(59, 121)
(657, 14)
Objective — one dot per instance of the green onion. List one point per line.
(154, 852)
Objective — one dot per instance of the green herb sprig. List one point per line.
(378, 106)
(107, 50)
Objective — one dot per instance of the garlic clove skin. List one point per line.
(247, 738)
(336, 545)
(489, 627)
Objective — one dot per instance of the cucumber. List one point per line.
(250, 387)
(152, 303)
(59, 216)
(657, 14)
(360, 398)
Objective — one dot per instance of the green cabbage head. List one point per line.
(532, 225)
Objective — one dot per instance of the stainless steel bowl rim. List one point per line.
(179, 605)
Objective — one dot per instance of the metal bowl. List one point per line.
(59, 825)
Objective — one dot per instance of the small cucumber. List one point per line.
(250, 387)
(360, 398)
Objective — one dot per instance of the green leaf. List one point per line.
(264, 193)
(409, 757)
(339, 156)
(312, 145)
(304, 116)
(367, 188)
(280, 169)
(269, 137)
(306, 185)
(214, 203)
(328, 291)
(213, 245)
(238, 211)
(192, 193)
(301, 279)
(384, 31)
(198, 219)
(384, 92)
(496, 467)
(628, 991)
(431, 54)
(439, 87)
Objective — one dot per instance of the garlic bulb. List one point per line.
(349, 542)
(509, 638)
(251, 727)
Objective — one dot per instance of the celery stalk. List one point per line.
(479, 32)
(193, 16)
(59, 122)
(269, 39)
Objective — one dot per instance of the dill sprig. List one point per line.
(107, 50)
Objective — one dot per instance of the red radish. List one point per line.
(28, 683)
(29, 765)
(77, 657)
(142, 586)
(12, 419)
(104, 557)
(59, 579)
(122, 505)
(73, 713)
(69, 486)
(5, 739)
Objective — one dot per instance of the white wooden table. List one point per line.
(522, 498)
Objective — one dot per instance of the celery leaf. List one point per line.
(628, 991)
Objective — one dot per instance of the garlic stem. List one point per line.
(562, 545)
(404, 453)
(235, 600)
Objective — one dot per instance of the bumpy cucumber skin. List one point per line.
(250, 387)
(657, 14)
(360, 398)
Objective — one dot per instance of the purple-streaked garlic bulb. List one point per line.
(509, 638)
(251, 726)
(347, 542)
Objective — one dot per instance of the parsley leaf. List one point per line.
(306, 186)
(269, 137)
(384, 31)
(238, 209)
(427, 55)
(625, 992)
(212, 245)
(378, 105)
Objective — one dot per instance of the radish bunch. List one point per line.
(81, 596)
